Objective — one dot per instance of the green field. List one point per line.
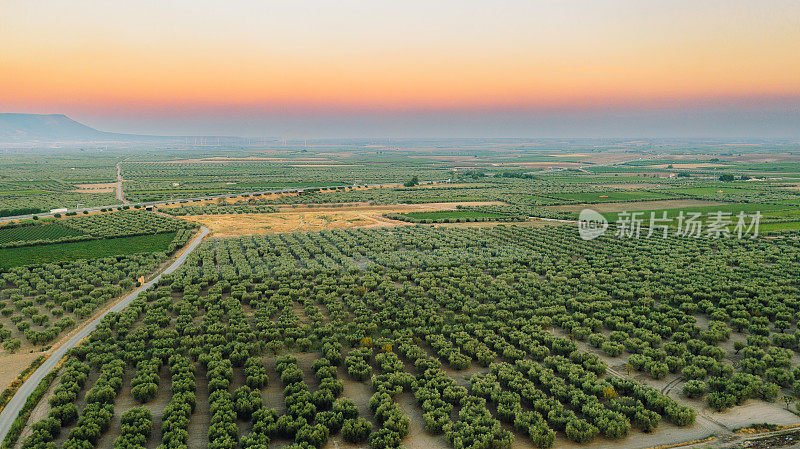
(767, 210)
(784, 214)
(90, 249)
(725, 189)
(451, 214)
(768, 228)
(611, 196)
(601, 179)
(49, 231)
(22, 192)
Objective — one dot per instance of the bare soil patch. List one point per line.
(13, 364)
(102, 187)
(248, 224)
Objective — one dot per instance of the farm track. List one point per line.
(14, 406)
(670, 386)
(120, 193)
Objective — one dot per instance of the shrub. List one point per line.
(581, 431)
(694, 388)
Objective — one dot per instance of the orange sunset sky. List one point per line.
(267, 67)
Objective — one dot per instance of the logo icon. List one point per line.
(591, 224)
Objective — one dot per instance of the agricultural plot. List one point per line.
(449, 216)
(469, 337)
(61, 285)
(388, 195)
(125, 223)
(218, 209)
(739, 195)
(39, 302)
(769, 212)
(36, 183)
(88, 249)
(13, 205)
(162, 181)
(36, 232)
(612, 196)
(373, 332)
(87, 227)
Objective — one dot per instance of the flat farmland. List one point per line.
(35, 232)
(321, 320)
(305, 219)
(612, 196)
(636, 205)
(90, 249)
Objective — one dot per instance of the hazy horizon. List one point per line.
(577, 68)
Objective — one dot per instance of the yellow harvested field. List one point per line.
(248, 224)
(303, 219)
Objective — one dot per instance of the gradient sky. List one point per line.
(528, 68)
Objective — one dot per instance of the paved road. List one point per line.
(11, 411)
(212, 197)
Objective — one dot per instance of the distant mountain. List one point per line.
(49, 127)
(58, 128)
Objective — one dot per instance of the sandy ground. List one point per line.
(636, 205)
(303, 219)
(248, 224)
